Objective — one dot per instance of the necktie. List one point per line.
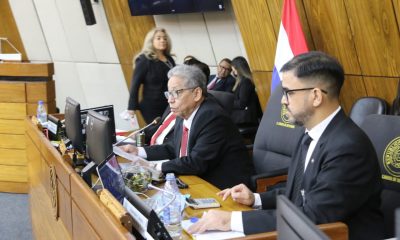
(184, 141)
(299, 171)
(171, 117)
(211, 85)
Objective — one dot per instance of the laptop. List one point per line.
(147, 225)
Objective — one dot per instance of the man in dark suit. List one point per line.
(333, 177)
(206, 143)
(223, 81)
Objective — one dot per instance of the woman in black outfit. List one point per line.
(246, 107)
(151, 67)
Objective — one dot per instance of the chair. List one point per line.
(274, 143)
(365, 106)
(225, 99)
(384, 132)
(395, 109)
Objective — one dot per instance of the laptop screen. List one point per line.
(111, 178)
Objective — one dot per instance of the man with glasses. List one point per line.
(223, 81)
(334, 174)
(206, 143)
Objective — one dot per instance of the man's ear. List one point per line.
(317, 95)
(198, 93)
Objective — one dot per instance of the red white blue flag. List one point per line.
(291, 41)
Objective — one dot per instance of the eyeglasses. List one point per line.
(288, 92)
(175, 93)
(225, 68)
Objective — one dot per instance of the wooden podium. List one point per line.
(22, 85)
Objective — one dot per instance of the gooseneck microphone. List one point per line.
(154, 122)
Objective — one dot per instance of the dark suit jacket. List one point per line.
(153, 75)
(216, 150)
(225, 84)
(341, 183)
(246, 107)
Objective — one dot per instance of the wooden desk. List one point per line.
(62, 206)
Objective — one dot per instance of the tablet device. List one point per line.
(110, 176)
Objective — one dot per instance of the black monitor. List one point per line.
(293, 224)
(73, 126)
(397, 222)
(99, 137)
(107, 110)
(157, 7)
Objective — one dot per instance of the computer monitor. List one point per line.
(397, 222)
(99, 137)
(292, 224)
(73, 126)
(107, 110)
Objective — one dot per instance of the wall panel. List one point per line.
(331, 32)
(382, 87)
(376, 35)
(353, 88)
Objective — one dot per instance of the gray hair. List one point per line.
(191, 75)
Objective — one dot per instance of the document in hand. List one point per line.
(214, 235)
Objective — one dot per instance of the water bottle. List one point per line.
(172, 213)
(41, 113)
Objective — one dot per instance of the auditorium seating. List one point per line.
(365, 106)
(384, 132)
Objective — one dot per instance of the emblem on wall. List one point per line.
(391, 158)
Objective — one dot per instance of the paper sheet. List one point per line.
(211, 235)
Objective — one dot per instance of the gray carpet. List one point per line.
(15, 219)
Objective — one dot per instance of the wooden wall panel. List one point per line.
(12, 126)
(262, 80)
(353, 88)
(396, 6)
(382, 87)
(13, 157)
(128, 33)
(331, 32)
(8, 29)
(257, 31)
(376, 36)
(12, 92)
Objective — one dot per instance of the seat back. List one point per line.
(276, 138)
(365, 106)
(384, 132)
(225, 99)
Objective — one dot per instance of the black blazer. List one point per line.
(225, 84)
(216, 150)
(246, 107)
(153, 75)
(342, 183)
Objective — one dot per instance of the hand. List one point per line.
(239, 193)
(129, 149)
(212, 220)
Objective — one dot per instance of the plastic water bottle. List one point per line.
(172, 213)
(41, 112)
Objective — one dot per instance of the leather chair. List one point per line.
(365, 106)
(395, 109)
(384, 132)
(274, 143)
(225, 99)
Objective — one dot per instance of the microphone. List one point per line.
(154, 122)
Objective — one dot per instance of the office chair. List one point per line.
(365, 106)
(384, 132)
(273, 145)
(225, 99)
(395, 109)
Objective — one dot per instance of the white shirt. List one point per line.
(315, 133)
(186, 122)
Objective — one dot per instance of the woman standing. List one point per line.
(151, 67)
(246, 107)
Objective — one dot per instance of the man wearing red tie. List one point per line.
(206, 143)
(222, 81)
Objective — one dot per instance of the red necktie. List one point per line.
(161, 128)
(184, 141)
(211, 85)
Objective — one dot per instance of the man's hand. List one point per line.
(212, 220)
(239, 193)
(129, 149)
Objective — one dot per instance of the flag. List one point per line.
(291, 41)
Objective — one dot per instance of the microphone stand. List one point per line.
(155, 121)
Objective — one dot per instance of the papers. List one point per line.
(128, 140)
(214, 235)
(126, 155)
